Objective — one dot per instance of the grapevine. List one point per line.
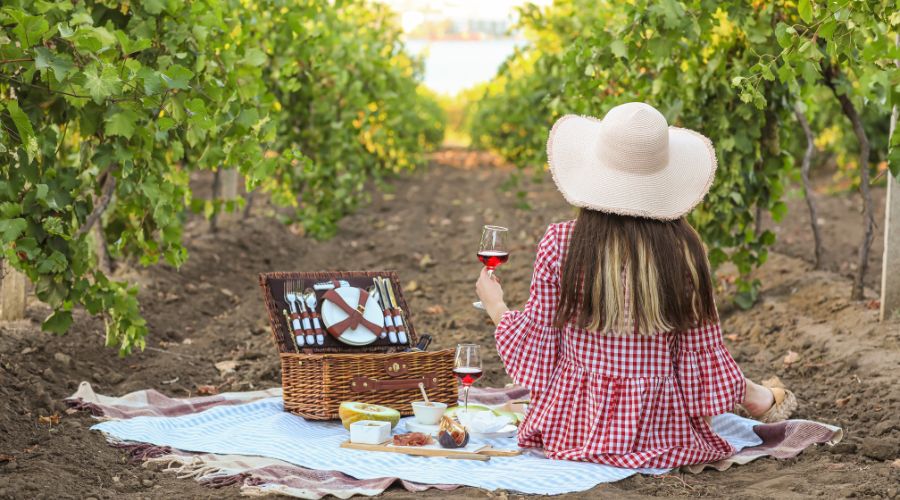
(708, 66)
(109, 107)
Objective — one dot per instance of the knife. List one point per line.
(386, 305)
(398, 318)
(376, 294)
(296, 338)
(424, 341)
(295, 326)
(328, 285)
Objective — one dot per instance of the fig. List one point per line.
(452, 434)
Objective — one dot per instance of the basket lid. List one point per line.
(283, 318)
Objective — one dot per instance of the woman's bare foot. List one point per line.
(757, 399)
(769, 403)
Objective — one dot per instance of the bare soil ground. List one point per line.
(845, 372)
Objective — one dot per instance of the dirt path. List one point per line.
(211, 310)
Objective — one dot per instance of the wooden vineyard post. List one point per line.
(890, 265)
(228, 177)
(225, 188)
(12, 294)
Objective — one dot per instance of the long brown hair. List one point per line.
(633, 275)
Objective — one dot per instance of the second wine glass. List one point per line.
(467, 368)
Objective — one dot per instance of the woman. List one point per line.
(620, 341)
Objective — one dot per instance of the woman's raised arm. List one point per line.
(527, 341)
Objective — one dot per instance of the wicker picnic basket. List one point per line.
(316, 380)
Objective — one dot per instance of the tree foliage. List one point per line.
(108, 107)
(707, 65)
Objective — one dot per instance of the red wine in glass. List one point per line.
(467, 367)
(492, 259)
(467, 376)
(493, 250)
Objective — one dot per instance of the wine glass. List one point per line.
(467, 368)
(493, 250)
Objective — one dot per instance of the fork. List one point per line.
(310, 297)
(290, 298)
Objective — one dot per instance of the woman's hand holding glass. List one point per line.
(491, 294)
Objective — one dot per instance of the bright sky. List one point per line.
(452, 65)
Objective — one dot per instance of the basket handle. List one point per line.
(367, 384)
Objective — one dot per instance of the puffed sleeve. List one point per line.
(526, 340)
(710, 379)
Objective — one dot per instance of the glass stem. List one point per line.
(466, 397)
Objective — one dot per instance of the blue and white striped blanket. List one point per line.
(262, 428)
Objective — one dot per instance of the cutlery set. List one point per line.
(343, 314)
(303, 319)
(393, 315)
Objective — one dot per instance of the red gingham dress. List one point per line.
(622, 400)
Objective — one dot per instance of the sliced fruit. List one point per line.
(352, 411)
(454, 410)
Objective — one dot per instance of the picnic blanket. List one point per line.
(247, 439)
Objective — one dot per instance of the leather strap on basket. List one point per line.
(366, 384)
(354, 315)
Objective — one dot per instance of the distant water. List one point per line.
(454, 65)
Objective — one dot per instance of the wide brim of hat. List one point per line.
(586, 181)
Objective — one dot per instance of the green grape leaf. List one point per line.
(153, 6)
(779, 210)
(43, 6)
(165, 123)
(28, 29)
(45, 60)
(102, 84)
(618, 48)
(55, 263)
(81, 18)
(782, 35)
(744, 300)
(153, 81)
(65, 30)
(24, 128)
(247, 118)
(10, 229)
(121, 123)
(93, 39)
(177, 77)
(894, 161)
(58, 322)
(254, 57)
(804, 8)
(130, 46)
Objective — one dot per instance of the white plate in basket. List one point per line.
(359, 336)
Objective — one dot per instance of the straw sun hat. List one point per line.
(630, 163)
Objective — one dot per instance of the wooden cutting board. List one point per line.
(482, 453)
